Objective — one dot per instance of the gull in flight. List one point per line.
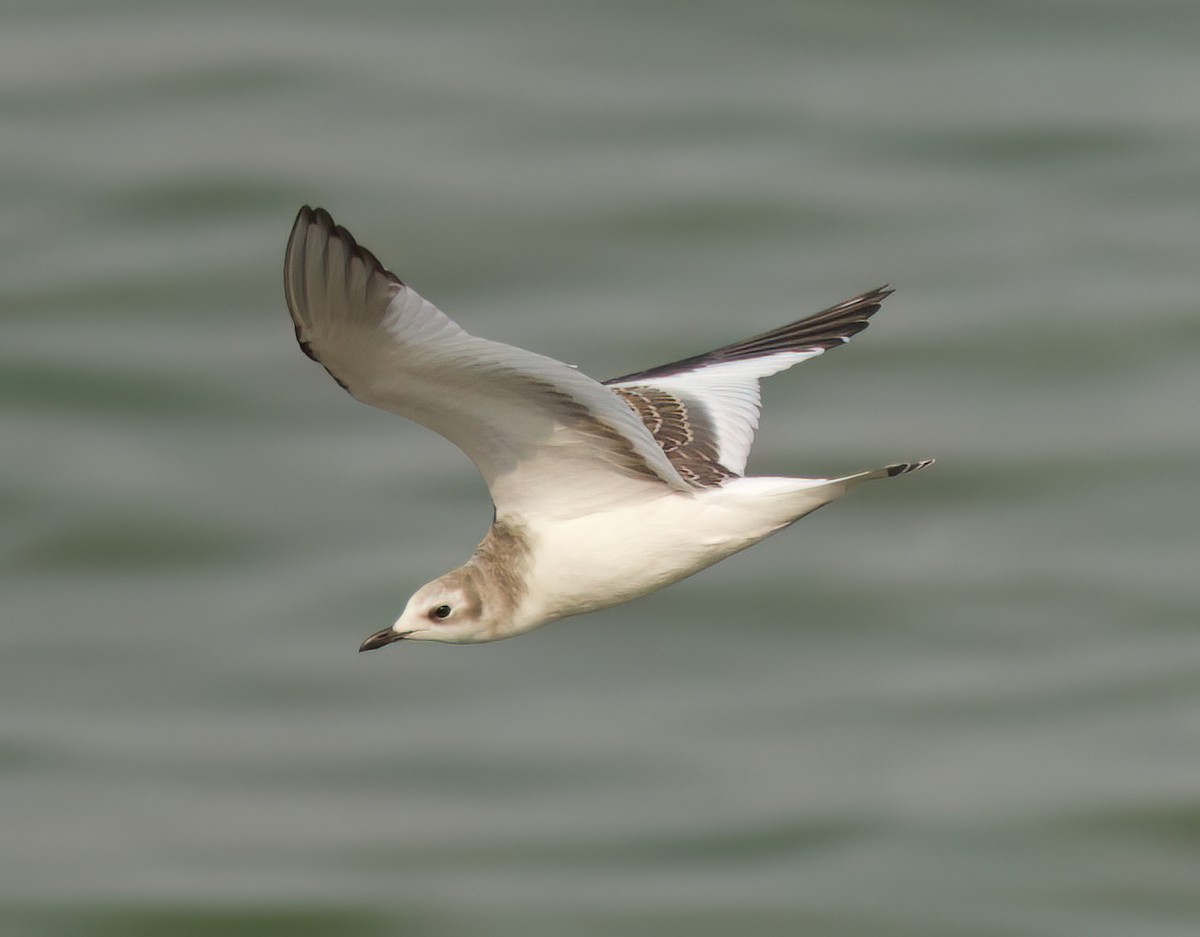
(603, 492)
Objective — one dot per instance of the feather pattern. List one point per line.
(704, 410)
(548, 440)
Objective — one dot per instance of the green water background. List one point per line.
(965, 702)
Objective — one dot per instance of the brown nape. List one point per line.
(503, 559)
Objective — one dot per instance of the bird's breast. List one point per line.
(607, 558)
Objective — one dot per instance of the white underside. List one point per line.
(607, 558)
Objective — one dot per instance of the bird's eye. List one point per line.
(442, 612)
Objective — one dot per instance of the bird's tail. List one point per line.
(840, 486)
(891, 471)
(778, 502)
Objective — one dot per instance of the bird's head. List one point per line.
(450, 609)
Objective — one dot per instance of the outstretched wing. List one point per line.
(703, 410)
(547, 439)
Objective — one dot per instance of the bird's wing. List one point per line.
(548, 440)
(703, 410)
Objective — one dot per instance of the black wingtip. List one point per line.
(826, 329)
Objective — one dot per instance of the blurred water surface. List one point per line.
(964, 702)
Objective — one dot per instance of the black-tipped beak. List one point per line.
(382, 639)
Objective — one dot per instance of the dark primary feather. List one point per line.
(825, 329)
